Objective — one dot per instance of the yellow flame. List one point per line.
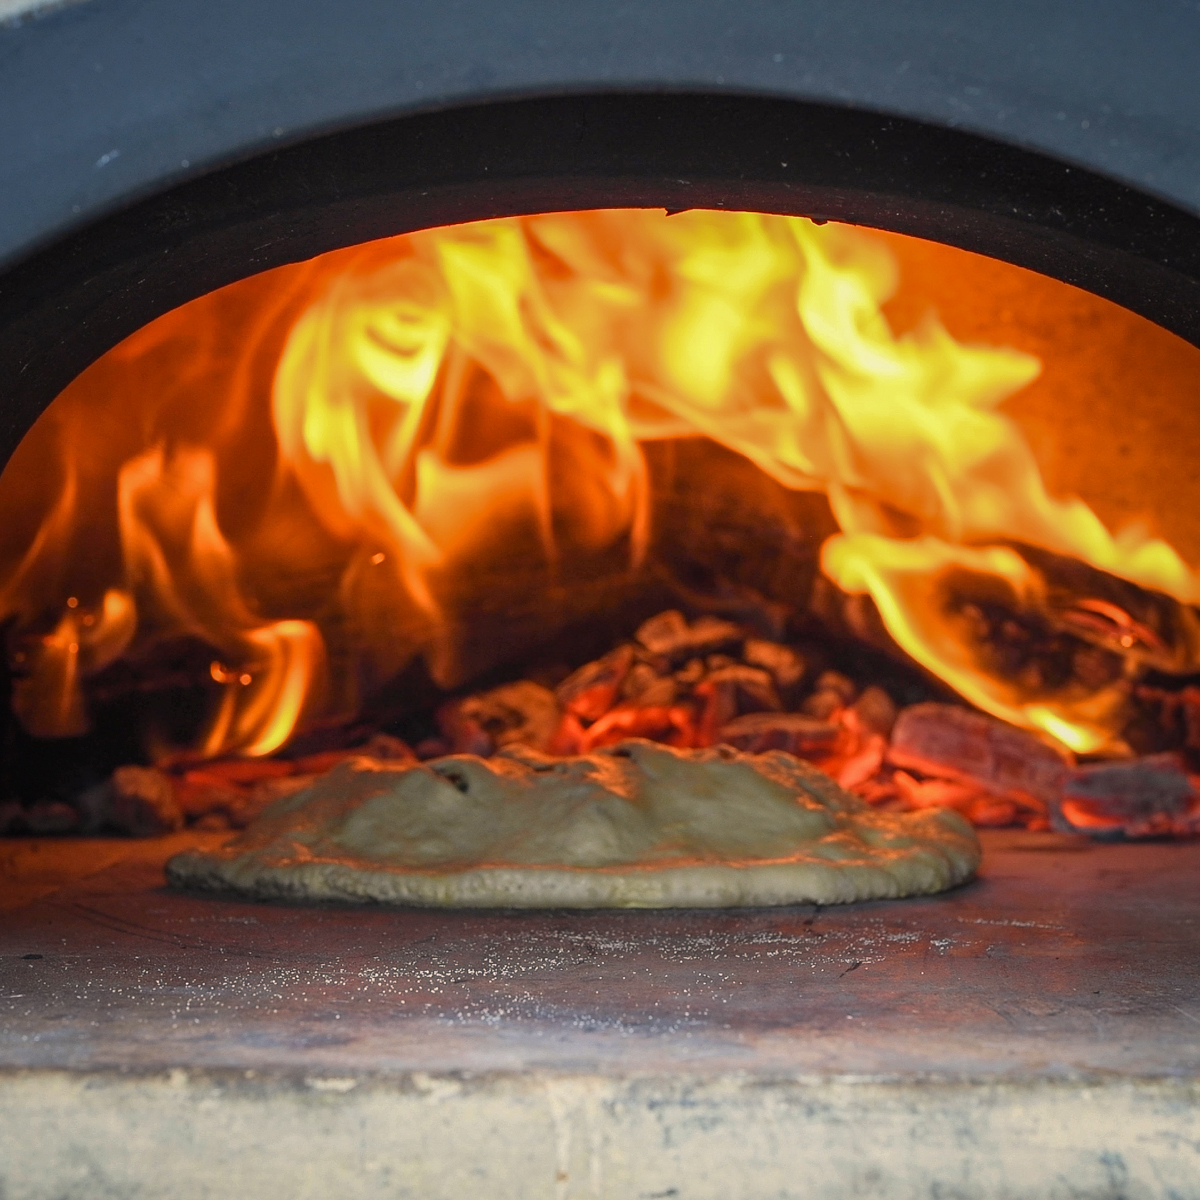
(441, 394)
(908, 580)
(181, 566)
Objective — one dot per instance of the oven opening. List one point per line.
(918, 517)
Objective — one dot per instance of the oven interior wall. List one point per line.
(1114, 416)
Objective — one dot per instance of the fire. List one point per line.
(403, 416)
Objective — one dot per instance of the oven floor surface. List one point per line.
(1064, 956)
(1068, 967)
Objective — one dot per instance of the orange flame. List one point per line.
(436, 395)
(182, 568)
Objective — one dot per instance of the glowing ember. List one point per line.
(448, 403)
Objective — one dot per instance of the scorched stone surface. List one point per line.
(1065, 958)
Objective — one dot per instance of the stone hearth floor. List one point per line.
(1036, 1032)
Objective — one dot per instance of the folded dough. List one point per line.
(635, 825)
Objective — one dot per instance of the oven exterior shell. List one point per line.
(110, 100)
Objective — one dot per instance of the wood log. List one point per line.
(718, 519)
(945, 741)
(1142, 797)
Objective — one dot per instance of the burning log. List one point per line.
(1120, 617)
(1143, 797)
(947, 742)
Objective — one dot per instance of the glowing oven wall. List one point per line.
(343, 489)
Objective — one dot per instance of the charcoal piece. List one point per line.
(737, 690)
(936, 793)
(213, 822)
(388, 748)
(839, 684)
(875, 711)
(235, 791)
(992, 812)
(787, 668)
(947, 741)
(672, 724)
(463, 732)
(200, 793)
(822, 705)
(691, 673)
(718, 662)
(143, 802)
(211, 802)
(378, 745)
(318, 764)
(670, 635)
(639, 680)
(12, 818)
(663, 632)
(267, 792)
(592, 690)
(245, 772)
(1141, 797)
(522, 712)
(432, 747)
(798, 734)
(51, 817)
(662, 692)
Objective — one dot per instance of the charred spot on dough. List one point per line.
(456, 777)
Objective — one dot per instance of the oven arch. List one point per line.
(63, 307)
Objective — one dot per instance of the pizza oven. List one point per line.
(389, 380)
